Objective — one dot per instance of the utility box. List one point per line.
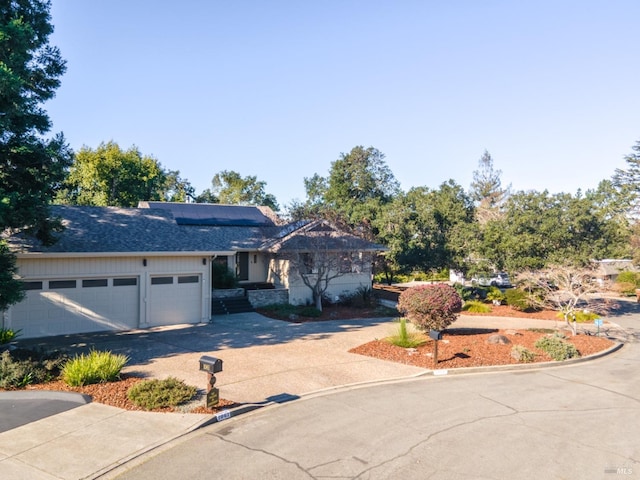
(211, 365)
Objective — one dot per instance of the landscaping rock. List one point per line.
(512, 332)
(498, 340)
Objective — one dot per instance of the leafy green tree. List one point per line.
(359, 184)
(229, 187)
(31, 166)
(540, 229)
(427, 229)
(110, 176)
(628, 180)
(177, 189)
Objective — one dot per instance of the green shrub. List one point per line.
(476, 306)
(557, 347)
(522, 354)
(222, 277)
(581, 316)
(405, 339)
(495, 295)
(152, 394)
(629, 277)
(19, 368)
(94, 367)
(517, 299)
(8, 335)
(430, 307)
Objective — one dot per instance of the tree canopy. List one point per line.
(111, 176)
(231, 188)
(31, 166)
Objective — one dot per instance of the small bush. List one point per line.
(557, 347)
(495, 295)
(522, 354)
(629, 277)
(8, 335)
(581, 316)
(430, 307)
(476, 306)
(95, 367)
(19, 368)
(222, 277)
(517, 299)
(152, 394)
(405, 339)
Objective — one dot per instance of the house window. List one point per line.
(189, 279)
(100, 282)
(32, 285)
(306, 264)
(55, 284)
(161, 280)
(125, 282)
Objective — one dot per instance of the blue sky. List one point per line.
(279, 89)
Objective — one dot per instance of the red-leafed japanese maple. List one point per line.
(430, 307)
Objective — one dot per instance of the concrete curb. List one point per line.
(45, 395)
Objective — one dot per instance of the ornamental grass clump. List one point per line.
(405, 339)
(476, 306)
(430, 307)
(94, 367)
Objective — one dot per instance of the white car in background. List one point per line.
(499, 279)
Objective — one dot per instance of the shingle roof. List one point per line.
(131, 230)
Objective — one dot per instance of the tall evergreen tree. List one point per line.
(31, 166)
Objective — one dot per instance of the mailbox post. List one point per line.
(211, 365)
(435, 335)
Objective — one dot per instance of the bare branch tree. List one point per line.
(566, 289)
(324, 254)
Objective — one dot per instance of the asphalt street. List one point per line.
(573, 422)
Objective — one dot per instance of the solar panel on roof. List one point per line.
(212, 214)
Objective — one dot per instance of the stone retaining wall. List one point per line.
(227, 293)
(261, 298)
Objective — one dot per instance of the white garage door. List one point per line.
(175, 299)
(76, 305)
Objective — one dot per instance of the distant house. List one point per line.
(127, 268)
(609, 269)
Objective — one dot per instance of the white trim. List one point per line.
(122, 254)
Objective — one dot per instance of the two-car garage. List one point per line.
(136, 293)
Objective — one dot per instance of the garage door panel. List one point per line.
(174, 301)
(75, 310)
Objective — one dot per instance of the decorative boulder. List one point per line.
(498, 340)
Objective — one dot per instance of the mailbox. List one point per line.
(435, 335)
(210, 364)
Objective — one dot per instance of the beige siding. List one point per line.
(43, 268)
(300, 294)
